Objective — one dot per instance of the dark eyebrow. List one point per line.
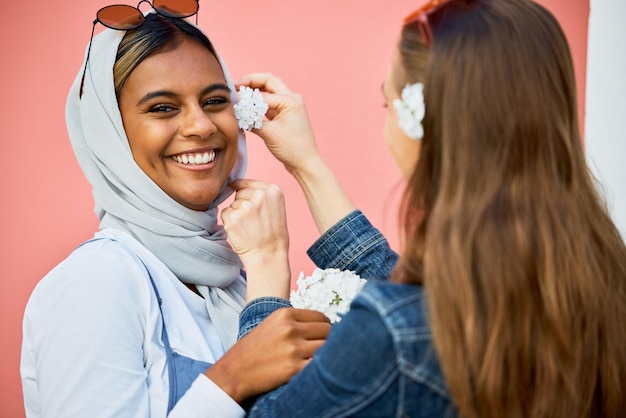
(216, 86)
(166, 93)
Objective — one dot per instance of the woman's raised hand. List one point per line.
(287, 131)
(287, 134)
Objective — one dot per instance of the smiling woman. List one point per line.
(142, 319)
(181, 126)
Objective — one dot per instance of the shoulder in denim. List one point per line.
(403, 309)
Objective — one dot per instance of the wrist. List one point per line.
(269, 278)
(309, 170)
(325, 196)
(229, 380)
(259, 260)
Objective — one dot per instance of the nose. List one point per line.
(196, 123)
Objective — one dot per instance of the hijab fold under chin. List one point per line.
(191, 243)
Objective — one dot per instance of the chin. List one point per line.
(200, 200)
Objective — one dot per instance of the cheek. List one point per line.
(230, 129)
(137, 141)
(404, 151)
(228, 124)
(389, 124)
(146, 142)
(408, 154)
(233, 131)
(393, 133)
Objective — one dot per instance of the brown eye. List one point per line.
(161, 108)
(216, 101)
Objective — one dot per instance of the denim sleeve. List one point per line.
(354, 244)
(342, 379)
(256, 311)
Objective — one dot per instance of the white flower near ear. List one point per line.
(250, 109)
(411, 110)
(329, 291)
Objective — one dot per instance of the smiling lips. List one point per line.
(195, 158)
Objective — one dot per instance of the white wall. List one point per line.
(605, 124)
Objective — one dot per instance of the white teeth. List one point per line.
(194, 159)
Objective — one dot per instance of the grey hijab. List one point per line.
(190, 243)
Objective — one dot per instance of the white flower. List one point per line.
(329, 291)
(250, 109)
(411, 110)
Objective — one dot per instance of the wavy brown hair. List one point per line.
(524, 271)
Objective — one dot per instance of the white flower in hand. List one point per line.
(250, 109)
(328, 291)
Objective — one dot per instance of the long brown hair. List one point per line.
(524, 271)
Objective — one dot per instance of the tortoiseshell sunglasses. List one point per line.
(124, 17)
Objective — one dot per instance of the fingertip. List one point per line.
(243, 81)
(253, 80)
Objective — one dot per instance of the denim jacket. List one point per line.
(378, 361)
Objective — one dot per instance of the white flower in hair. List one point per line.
(411, 110)
(329, 291)
(250, 109)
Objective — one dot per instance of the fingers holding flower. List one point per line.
(266, 82)
(287, 130)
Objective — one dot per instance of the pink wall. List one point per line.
(335, 53)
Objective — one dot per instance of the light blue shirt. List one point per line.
(93, 342)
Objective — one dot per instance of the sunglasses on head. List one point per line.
(124, 17)
(425, 16)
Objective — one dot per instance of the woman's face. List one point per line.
(404, 150)
(180, 123)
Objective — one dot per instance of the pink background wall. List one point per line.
(335, 53)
